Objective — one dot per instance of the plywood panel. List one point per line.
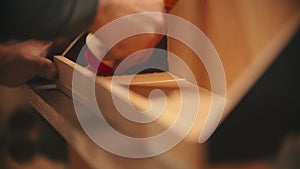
(247, 34)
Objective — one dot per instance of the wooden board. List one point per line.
(58, 110)
(247, 34)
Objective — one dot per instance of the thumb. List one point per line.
(45, 68)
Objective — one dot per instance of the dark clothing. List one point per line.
(45, 19)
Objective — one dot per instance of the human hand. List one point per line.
(22, 61)
(110, 10)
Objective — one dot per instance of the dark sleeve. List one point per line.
(45, 19)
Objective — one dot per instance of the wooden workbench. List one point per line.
(57, 108)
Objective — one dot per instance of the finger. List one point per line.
(34, 48)
(130, 45)
(46, 68)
